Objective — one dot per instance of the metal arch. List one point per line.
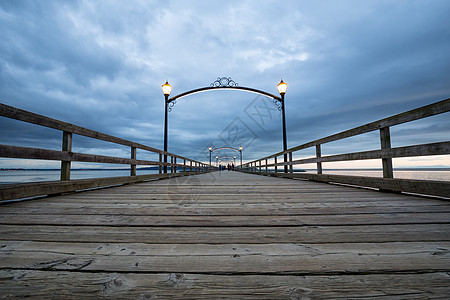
(212, 88)
(229, 157)
(231, 148)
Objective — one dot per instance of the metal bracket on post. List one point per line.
(66, 146)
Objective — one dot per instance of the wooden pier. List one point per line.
(226, 235)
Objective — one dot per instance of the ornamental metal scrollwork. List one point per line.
(224, 82)
(278, 104)
(171, 104)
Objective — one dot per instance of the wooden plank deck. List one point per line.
(226, 235)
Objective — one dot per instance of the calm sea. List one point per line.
(22, 176)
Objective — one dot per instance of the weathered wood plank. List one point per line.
(122, 239)
(77, 285)
(11, 248)
(238, 210)
(23, 190)
(423, 187)
(239, 220)
(305, 259)
(219, 235)
(182, 201)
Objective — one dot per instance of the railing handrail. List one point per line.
(386, 154)
(436, 108)
(66, 156)
(30, 117)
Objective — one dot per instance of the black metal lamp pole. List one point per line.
(166, 90)
(240, 154)
(284, 134)
(210, 152)
(282, 86)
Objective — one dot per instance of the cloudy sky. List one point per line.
(100, 64)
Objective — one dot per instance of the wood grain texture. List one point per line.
(226, 235)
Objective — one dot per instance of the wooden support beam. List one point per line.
(291, 167)
(385, 139)
(133, 166)
(66, 147)
(318, 156)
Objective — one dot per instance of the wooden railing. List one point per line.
(66, 156)
(386, 153)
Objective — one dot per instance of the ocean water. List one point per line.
(23, 176)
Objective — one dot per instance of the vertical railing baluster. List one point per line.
(160, 161)
(133, 166)
(184, 165)
(291, 167)
(66, 146)
(276, 161)
(175, 162)
(385, 139)
(266, 166)
(318, 156)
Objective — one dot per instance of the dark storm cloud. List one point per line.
(101, 64)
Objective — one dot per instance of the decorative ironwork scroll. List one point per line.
(171, 105)
(278, 104)
(224, 82)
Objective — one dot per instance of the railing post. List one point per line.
(291, 167)
(259, 166)
(319, 155)
(171, 164)
(66, 146)
(175, 168)
(276, 161)
(190, 166)
(160, 161)
(184, 165)
(133, 166)
(385, 139)
(266, 166)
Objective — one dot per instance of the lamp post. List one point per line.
(166, 91)
(282, 86)
(210, 151)
(240, 154)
